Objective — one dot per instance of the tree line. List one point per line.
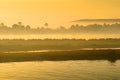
(76, 28)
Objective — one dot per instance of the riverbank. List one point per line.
(111, 55)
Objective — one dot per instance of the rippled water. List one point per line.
(60, 70)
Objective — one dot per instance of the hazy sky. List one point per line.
(56, 12)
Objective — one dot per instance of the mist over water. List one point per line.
(60, 36)
(70, 30)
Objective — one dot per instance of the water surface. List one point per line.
(60, 70)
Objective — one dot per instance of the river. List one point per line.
(60, 70)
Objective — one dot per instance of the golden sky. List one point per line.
(56, 12)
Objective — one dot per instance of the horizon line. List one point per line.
(98, 20)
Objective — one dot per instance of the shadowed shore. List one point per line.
(111, 55)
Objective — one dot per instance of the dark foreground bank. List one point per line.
(111, 55)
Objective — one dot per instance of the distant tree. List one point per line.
(2, 25)
(72, 26)
(14, 26)
(42, 28)
(77, 25)
(104, 24)
(62, 28)
(46, 24)
(20, 25)
(38, 28)
(27, 27)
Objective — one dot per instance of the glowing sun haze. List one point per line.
(56, 12)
